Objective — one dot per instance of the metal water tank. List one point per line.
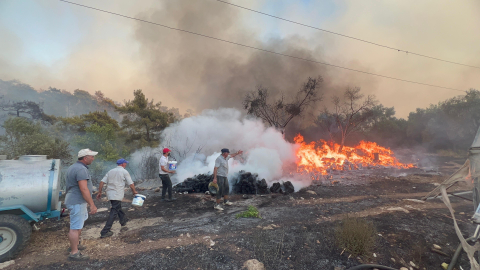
(26, 182)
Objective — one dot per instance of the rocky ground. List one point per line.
(296, 231)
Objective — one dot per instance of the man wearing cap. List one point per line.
(79, 193)
(115, 181)
(220, 173)
(164, 175)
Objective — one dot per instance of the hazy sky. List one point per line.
(50, 43)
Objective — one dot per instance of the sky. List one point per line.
(51, 43)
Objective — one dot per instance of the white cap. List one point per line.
(86, 152)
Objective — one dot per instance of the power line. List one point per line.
(346, 36)
(259, 49)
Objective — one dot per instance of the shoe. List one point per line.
(108, 234)
(79, 247)
(78, 257)
(228, 203)
(125, 223)
(162, 200)
(218, 207)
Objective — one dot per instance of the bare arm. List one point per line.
(165, 170)
(132, 187)
(100, 189)
(215, 174)
(82, 184)
(236, 154)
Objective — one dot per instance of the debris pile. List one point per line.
(242, 183)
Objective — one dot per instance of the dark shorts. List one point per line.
(223, 187)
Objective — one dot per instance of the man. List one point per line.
(79, 193)
(164, 175)
(115, 181)
(220, 173)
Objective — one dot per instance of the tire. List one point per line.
(15, 232)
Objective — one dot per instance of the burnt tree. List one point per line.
(278, 113)
(349, 115)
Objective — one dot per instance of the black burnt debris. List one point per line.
(241, 183)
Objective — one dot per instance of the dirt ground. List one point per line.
(296, 231)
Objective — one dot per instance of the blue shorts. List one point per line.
(78, 215)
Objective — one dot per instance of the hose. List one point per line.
(369, 266)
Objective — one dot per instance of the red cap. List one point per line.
(166, 150)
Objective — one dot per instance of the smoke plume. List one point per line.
(196, 143)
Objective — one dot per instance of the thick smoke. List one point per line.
(196, 143)
(117, 55)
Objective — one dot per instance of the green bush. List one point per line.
(252, 212)
(355, 235)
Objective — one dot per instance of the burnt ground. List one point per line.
(297, 231)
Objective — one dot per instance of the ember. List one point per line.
(322, 157)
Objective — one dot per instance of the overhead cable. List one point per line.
(260, 49)
(346, 36)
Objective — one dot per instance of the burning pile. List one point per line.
(243, 183)
(323, 157)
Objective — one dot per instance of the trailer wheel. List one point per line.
(15, 232)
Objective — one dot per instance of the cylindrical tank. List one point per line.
(26, 182)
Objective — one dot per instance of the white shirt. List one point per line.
(115, 183)
(163, 162)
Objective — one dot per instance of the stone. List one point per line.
(12, 262)
(403, 268)
(437, 247)
(212, 243)
(311, 192)
(157, 189)
(253, 265)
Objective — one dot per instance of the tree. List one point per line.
(144, 120)
(24, 137)
(280, 112)
(349, 115)
(82, 122)
(25, 108)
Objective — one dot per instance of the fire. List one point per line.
(318, 157)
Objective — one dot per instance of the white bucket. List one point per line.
(138, 200)
(172, 165)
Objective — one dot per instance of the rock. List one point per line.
(157, 189)
(301, 198)
(188, 235)
(253, 265)
(413, 264)
(462, 213)
(212, 243)
(269, 227)
(437, 247)
(393, 260)
(12, 262)
(403, 268)
(311, 192)
(103, 209)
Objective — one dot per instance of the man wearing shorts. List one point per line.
(220, 173)
(79, 193)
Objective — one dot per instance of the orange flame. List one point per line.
(321, 156)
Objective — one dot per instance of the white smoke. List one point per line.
(196, 143)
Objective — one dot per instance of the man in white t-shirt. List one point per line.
(165, 176)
